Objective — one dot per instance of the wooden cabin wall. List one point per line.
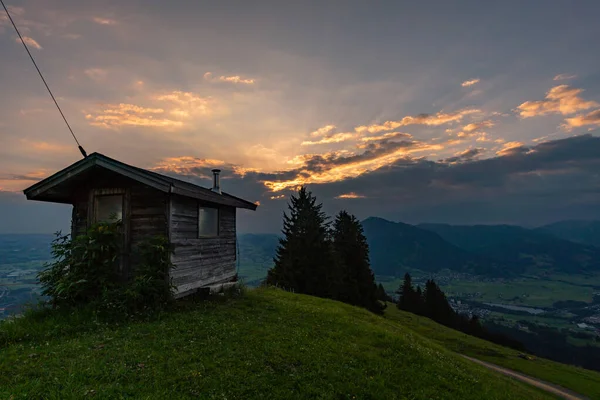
(145, 214)
(200, 261)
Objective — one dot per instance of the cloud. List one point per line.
(236, 79)
(96, 74)
(387, 136)
(30, 42)
(335, 138)
(464, 156)
(341, 165)
(470, 82)
(509, 148)
(45, 147)
(560, 99)
(119, 115)
(104, 21)
(476, 126)
(174, 110)
(323, 131)
(188, 102)
(564, 77)
(529, 185)
(421, 119)
(351, 195)
(186, 165)
(592, 118)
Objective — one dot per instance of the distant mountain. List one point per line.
(519, 249)
(586, 232)
(395, 247)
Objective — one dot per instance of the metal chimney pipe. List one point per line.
(216, 181)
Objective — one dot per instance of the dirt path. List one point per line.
(548, 387)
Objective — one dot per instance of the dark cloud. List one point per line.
(547, 182)
(467, 155)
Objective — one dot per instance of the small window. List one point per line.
(109, 208)
(208, 222)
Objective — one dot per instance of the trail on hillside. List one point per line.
(548, 387)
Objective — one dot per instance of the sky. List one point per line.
(464, 113)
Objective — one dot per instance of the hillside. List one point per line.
(586, 232)
(270, 341)
(580, 380)
(395, 247)
(521, 250)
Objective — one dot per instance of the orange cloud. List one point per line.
(30, 42)
(351, 195)
(477, 126)
(229, 79)
(387, 136)
(45, 147)
(592, 118)
(281, 196)
(104, 21)
(118, 115)
(323, 131)
(15, 182)
(508, 148)
(185, 164)
(335, 138)
(188, 102)
(421, 119)
(470, 82)
(560, 99)
(332, 167)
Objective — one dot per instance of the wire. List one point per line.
(43, 80)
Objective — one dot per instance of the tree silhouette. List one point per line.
(357, 282)
(304, 261)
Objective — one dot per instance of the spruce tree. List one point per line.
(304, 262)
(407, 300)
(357, 282)
(382, 294)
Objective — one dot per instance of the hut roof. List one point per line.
(58, 187)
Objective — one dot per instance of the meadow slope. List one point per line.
(269, 343)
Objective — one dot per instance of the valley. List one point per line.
(556, 301)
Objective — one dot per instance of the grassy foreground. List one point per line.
(268, 344)
(580, 380)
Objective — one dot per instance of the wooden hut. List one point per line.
(200, 223)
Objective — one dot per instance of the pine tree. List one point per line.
(407, 300)
(419, 302)
(304, 262)
(357, 282)
(382, 294)
(436, 305)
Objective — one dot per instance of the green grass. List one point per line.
(522, 291)
(267, 344)
(580, 380)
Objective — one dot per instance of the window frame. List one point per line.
(218, 230)
(96, 206)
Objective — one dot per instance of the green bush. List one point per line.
(86, 271)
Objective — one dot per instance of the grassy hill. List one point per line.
(580, 380)
(268, 342)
